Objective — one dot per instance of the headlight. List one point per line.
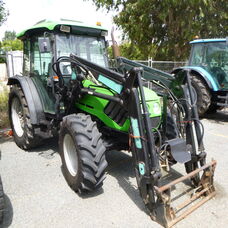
(156, 108)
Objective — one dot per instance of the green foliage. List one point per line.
(3, 97)
(10, 43)
(3, 12)
(129, 50)
(4, 122)
(162, 29)
(9, 35)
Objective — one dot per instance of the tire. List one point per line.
(1, 201)
(214, 108)
(203, 94)
(82, 153)
(23, 131)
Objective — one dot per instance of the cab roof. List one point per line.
(208, 40)
(51, 26)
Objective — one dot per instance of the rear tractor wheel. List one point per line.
(19, 115)
(82, 153)
(203, 94)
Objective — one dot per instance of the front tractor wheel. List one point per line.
(203, 95)
(82, 153)
(19, 115)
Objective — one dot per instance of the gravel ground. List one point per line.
(38, 196)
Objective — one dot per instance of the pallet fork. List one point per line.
(201, 194)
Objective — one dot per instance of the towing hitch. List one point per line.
(169, 215)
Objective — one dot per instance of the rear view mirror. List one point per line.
(44, 45)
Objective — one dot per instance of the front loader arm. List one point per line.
(129, 93)
(147, 167)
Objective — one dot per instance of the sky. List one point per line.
(25, 13)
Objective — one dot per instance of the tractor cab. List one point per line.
(212, 56)
(47, 40)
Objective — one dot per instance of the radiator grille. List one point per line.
(116, 112)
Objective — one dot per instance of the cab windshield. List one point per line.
(90, 48)
(213, 56)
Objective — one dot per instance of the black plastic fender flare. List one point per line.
(194, 71)
(32, 97)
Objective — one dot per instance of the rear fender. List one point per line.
(201, 73)
(32, 97)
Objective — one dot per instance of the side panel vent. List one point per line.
(116, 112)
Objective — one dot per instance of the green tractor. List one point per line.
(208, 66)
(67, 89)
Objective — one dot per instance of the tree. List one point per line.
(162, 29)
(3, 12)
(10, 43)
(129, 50)
(9, 35)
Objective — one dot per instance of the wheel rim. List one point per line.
(70, 154)
(17, 117)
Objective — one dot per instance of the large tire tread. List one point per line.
(91, 153)
(28, 140)
(203, 95)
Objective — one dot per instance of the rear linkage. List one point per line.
(130, 94)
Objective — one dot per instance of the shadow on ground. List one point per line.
(121, 167)
(219, 117)
(4, 139)
(48, 149)
(8, 213)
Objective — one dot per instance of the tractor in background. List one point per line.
(208, 67)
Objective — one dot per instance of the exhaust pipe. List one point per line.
(115, 47)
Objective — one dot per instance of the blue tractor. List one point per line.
(208, 67)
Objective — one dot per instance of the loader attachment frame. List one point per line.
(202, 193)
(129, 93)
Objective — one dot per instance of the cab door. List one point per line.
(38, 66)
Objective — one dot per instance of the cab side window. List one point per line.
(197, 57)
(26, 58)
(40, 62)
